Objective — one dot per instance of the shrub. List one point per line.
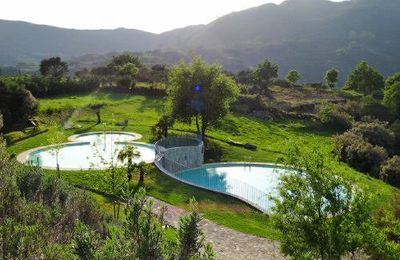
(16, 103)
(330, 115)
(359, 154)
(395, 127)
(375, 132)
(352, 108)
(371, 107)
(390, 171)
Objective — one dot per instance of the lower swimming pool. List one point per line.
(252, 183)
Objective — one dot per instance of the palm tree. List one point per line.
(142, 169)
(129, 152)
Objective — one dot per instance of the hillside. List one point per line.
(309, 35)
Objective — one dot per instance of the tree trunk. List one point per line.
(141, 178)
(98, 117)
(197, 123)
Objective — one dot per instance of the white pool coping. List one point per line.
(252, 204)
(135, 136)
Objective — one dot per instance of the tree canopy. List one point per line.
(53, 67)
(264, 73)
(293, 76)
(331, 77)
(366, 80)
(319, 214)
(202, 92)
(391, 97)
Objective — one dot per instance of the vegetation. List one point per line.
(331, 116)
(202, 93)
(17, 104)
(366, 80)
(331, 77)
(263, 75)
(54, 68)
(293, 76)
(319, 214)
(208, 91)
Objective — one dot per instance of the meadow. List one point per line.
(272, 138)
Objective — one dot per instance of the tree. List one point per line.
(319, 215)
(391, 97)
(17, 104)
(331, 77)
(293, 76)
(190, 236)
(125, 66)
(96, 108)
(202, 92)
(160, 129)
(57, 140)
(264, 73)
(142, 169)
(53, 67)
(366, 80)
(129, 152)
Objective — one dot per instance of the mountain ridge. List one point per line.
(308, 35)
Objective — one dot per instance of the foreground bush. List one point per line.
(44, 218)
(319, 215)
(390, 171)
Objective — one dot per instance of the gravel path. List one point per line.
(227, 243)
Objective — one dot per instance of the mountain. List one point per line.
(21, 41)
(308, 35)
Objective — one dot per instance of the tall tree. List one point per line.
(391, 94)
(264, 73)
(319, 215)
(331, 77)
(366, 80)
(125, 67)
(53, 67)
(293, 76)
(201, 92)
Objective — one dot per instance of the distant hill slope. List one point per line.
(308, 35)
(21, 41)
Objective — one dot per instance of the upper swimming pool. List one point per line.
(92, 151)
(252, 183)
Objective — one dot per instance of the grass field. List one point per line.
(272, 138)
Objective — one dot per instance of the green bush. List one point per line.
(395, 127)
(359, 154)
(330, 115)
(372, 108)
(375, 132)
(390, 171)
(17, 104)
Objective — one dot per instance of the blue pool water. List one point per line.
(250, 182)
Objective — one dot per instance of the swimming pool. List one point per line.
(252, 183)
(93, 151)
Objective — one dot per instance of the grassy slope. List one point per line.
(272, 138)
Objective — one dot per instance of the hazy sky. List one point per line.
(149, 15)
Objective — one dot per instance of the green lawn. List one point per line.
(272, 138)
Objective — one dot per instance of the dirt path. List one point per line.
(227, 243)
